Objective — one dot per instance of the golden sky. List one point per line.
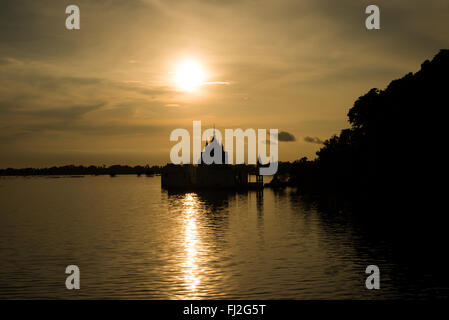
(105, 94)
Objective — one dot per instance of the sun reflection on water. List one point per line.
(192, 244)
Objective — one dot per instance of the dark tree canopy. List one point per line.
(394, 137)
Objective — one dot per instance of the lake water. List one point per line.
(131, 239)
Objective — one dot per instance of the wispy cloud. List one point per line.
(217, 83)
(313, 140)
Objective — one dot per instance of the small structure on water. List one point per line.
(209, 176)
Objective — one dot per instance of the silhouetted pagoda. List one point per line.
(203, 175)
(211, 145)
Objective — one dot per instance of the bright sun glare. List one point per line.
(189, 75)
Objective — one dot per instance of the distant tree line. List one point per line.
(82, 170)
(95, 170)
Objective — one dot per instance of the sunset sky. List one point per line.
(107, 94)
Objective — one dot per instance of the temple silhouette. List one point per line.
(211, 172)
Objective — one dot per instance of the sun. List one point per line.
(189, 75)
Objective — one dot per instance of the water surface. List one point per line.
(131, 239)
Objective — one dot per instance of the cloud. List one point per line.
(6, 61)
(71, 112)
(313, 140)
(217, 83)
(286, 136)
